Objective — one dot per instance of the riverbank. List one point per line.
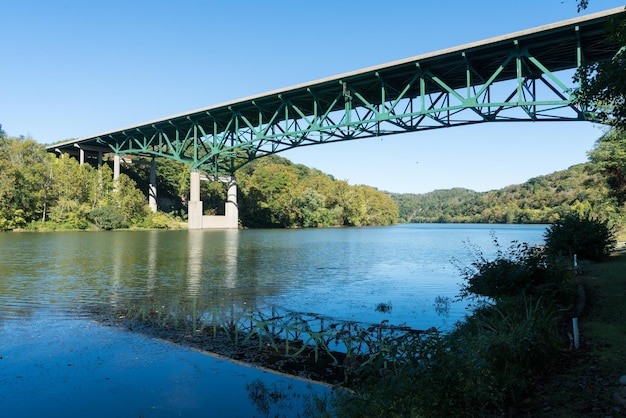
(586, 382)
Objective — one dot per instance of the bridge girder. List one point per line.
(525, 76)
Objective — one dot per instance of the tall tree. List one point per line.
(24, 166)
(603, 84)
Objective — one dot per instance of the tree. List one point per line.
(69, 194)
(277, 193)
(603, 84)
(609, 159)
(24, 168)
(268, 194)
(129, 200)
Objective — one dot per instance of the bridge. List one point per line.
(522, 76)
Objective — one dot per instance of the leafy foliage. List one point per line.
(603, 84)
(541, 199)
(277, 193)
(61, 193)
(585, 236)
(608, 159)
(107, 217)
(519, 271)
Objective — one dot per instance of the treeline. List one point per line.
(273, 192)
(39, 190)
(542, 199)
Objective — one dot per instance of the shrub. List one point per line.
(107, 217)
(158, 220)
(521, 271)
(580, 235)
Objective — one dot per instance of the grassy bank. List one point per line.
(584, 383)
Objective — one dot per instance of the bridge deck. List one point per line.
(558, 46)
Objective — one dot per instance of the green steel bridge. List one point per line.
(523, 76)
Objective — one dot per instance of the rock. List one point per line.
(622, 380)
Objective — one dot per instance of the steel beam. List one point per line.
(524, 76)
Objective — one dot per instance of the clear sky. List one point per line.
(70, 69)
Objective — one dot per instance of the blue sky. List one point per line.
(78, 68)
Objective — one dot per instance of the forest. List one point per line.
(542, 199)
(42, 191)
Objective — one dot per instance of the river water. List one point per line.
(50, 281)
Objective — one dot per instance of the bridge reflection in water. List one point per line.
(275, 337)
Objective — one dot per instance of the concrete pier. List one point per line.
(196, 218)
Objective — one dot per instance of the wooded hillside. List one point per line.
(539, 200)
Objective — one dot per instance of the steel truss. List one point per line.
(526, 76)
(205, 146)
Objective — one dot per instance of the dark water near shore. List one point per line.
(48, 280)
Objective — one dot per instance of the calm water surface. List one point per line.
(56, 360)
(341, 273)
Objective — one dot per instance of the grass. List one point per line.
(584, 382)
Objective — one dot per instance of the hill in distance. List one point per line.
(539, 200)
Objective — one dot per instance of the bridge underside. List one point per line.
(525, 76)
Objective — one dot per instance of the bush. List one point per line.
(519, 272)
(107, 217)
(580, 235)
(158, 220)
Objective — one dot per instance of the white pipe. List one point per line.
(576, 337)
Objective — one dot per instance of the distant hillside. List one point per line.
(539, 200)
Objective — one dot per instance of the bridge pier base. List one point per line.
(152, 190)
(194, 214)
(195, 217)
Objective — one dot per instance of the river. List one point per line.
(53, 353)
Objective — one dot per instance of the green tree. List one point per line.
(24, 168)
(129, 201)
(69, 193)
(603, 84)
(609, 158)
(268, 195)
(107, 217)
(276, 193)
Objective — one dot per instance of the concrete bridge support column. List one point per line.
(116, 166)
(230, 219)
(152, 190)
(194, 212)
(232, 208)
